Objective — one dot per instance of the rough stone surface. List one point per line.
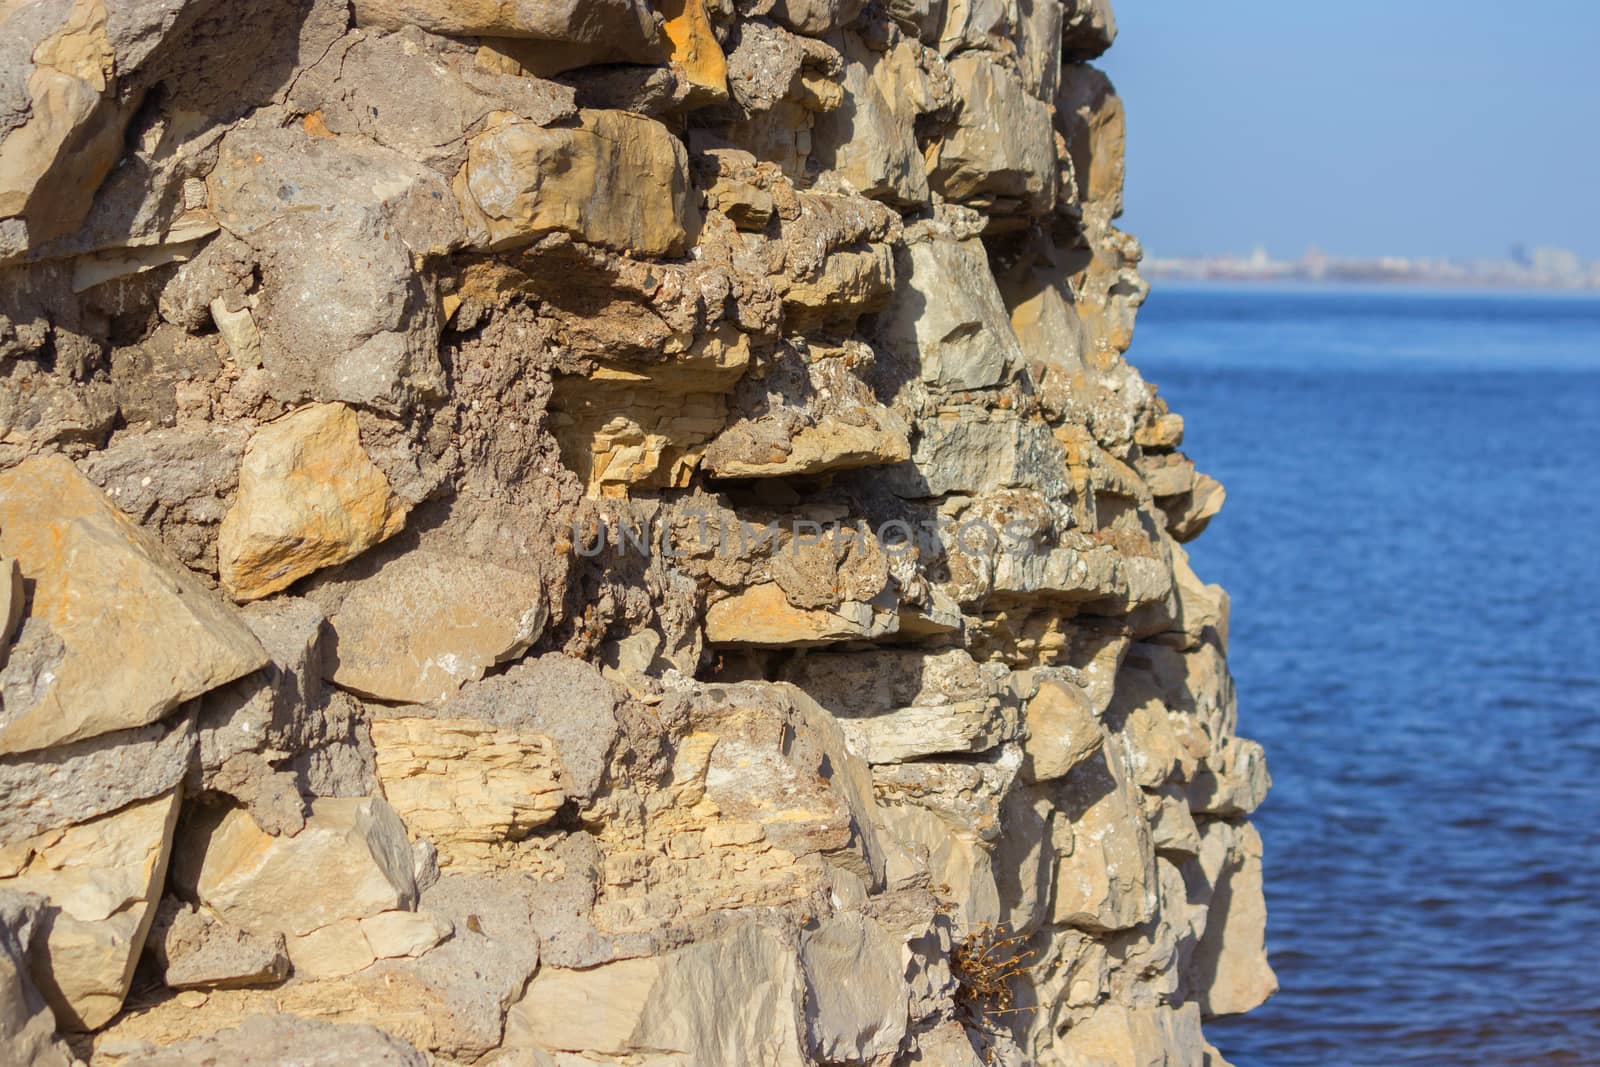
(287, 1039)
(357, 848)
(705, 570)
(27, 1026)
(101, 880)
(117, 633)
(616, 180)
(309, 497)
(409, 634)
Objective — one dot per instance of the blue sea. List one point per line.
(1412, 545)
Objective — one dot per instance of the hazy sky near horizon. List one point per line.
(1367, 127)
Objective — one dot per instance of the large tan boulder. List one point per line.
(617, 179)
(733, 999)
(428, 623)
(1107, 879)
(1001, 156)
(1063, 730)
(119, 632)
(101, 879)
(309, 497)
(353, 849)
(1229, 971)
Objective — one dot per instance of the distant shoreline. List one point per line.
(1416, 286)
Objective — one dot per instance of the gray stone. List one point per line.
(76, 782)
(856, 993)
(1001, 156)
(343, 316)
(286, 1039)
(199, 951)
(947, 323)
(27, 1027)
(565, 699)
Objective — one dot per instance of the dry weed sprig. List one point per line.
(983, 965)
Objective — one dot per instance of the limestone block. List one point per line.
(333, 951)
(404, 933)
(467, 785)
(101, 879)
(1172, 824)
(963, 449)
(762, 615)
(896, 706)
(869, 140)
(552, 696)
(736, 998)
(1232, 780)
(625, 26)
(626, 424)
(1062, 731)
(617, 179)
(959, 866)
(419, 95)
(1116, 1035)
(428, 623)
(118, 632)
(1228, 970)
(27, 1027)
(196, 950)
(1089, 115)
(1001, 156)
(763, 796)
(1088, 29)
(11, 603)
(947, 321)
(694, 48)
(1107, 880)
(341, 316)
(286, 1039)
(856, 993)
(878, 438)
(309, 497)
(849, 283)
(1036, 29)
(1189, 513)
(354, 849)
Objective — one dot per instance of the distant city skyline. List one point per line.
(1365, 129)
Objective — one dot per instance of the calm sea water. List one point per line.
(1411, 541)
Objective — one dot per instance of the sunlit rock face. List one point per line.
(597, 533)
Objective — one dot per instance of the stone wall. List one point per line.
(597, 532)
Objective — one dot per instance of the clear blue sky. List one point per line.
(1365, 127)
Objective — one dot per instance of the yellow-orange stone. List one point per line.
(695, 49)
(309, 497)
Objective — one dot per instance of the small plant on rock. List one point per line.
(983, 965)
